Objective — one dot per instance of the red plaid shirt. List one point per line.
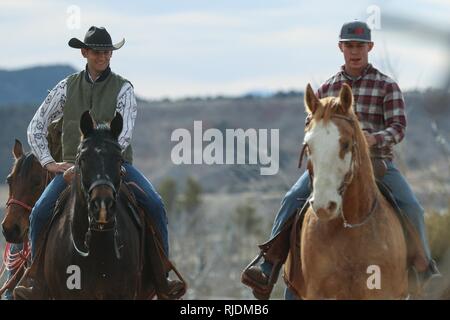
(378, 103)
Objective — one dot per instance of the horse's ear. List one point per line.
(311, 100)
(116, 125)
(86, 124)
(17, 149)
(346, 97)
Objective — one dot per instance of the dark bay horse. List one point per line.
(94, 248)
(351, 242)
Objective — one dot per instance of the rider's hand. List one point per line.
(58, 167)
(371, 140)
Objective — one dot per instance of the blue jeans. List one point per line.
(43, 209)
(151, 201)
(295, 198)
(404, 196)
(15, 248)
(289, 295)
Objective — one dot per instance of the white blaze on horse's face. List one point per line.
(329, 169)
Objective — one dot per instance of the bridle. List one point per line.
(100, 182)
(94, 224)
(27, 207)
(11, 201)
(355, 162)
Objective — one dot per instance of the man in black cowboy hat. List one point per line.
(104, 93)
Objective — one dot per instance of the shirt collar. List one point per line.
(365, 71)
(102, 77)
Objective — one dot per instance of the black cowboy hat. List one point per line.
(96, 39)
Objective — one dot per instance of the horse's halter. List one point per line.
(27, 207)
(11, 201)
(355, 162)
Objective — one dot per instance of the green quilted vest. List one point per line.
(99, 97)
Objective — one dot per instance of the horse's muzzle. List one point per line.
(327, 213)
(101, 209)
(101, 204)
(13, 233)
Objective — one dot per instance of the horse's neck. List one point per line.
(361, 192)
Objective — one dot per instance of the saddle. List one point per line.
(156, 264)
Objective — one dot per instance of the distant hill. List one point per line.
(423, 156)
(30, 85)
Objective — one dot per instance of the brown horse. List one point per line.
(351, 244)
(26, 183)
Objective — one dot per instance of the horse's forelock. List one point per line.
(103, 127)
(330, 106)
(325, 109)
(101, 133)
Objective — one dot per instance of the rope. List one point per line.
(14, 261)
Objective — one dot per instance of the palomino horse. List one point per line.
(26, 183)
(94, 248)
(352, 244)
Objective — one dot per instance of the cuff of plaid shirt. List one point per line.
(381, 139)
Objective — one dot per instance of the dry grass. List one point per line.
(438, 228)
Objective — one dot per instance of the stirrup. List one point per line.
(176, 289)
(35, 292)
(431, 281)
(260, 291)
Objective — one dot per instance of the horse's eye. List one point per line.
(345, 145)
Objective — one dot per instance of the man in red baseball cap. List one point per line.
(380, 108)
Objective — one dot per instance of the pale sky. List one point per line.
(179, 48)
